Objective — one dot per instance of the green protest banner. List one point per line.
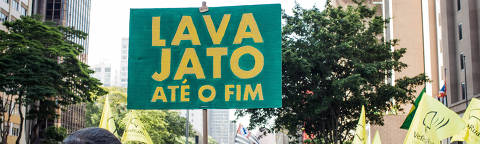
(228, 57)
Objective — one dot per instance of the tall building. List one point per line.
(103, 72)
(71, 13)
(460, 26)
(11, 10)
(219, 125)
(415, 24)
(76, 14)
(124, 64)
(219, 128)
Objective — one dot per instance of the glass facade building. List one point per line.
(70, 13)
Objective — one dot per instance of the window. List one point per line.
(459, 5)
(15, 5)
(98, 70)
(462, 61)
(3, 17)
(460, 34)
(15, 130)
(464, 91)
(23, 11)
(107, 69)
(5, 1)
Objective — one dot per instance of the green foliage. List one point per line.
(118, 99)
(54, 135)
(39, 63)
(333, 62)
(163, 126)
(211, 140)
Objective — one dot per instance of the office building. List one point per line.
(416, 25)
(70, 13)
(103, 72)
(219, 128)
(76, 14)
(13, 9)
(124, 64)
(219, 125)
(461, 52)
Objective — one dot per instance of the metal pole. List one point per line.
(186, 128)
(205, 131)
(465, 77)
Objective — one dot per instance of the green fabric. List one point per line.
(411, 114)
(145, 59)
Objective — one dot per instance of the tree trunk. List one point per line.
(33, 136)
(21, 118)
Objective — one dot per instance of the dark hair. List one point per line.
(91, 136)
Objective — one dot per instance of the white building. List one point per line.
(219, 125)
(12, 9)
(195, 119)
(123, 82)
(103, 72)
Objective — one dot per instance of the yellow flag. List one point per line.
(376, 138)
(361, 133)
(471, 133)
(134, 130)
(433, 122)
(106, 122)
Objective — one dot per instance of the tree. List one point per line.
(40, 66)
(54, 135)
(162, 125)
(333, 62)
(118, 101)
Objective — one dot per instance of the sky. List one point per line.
(109, 23)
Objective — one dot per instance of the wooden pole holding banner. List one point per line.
(205, 130)
(203, 9)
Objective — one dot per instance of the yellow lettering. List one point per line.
(156, 41)
(161, 96)
(257, 68)
(165, 64)
(239, 92)
(184, 92)
(248, 20)
(189, 55)
(217, 54)
(186, 23)
(209, 98)
(253, 93)
(216, 35)
(172, 92)
(228, 92)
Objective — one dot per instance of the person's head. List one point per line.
(91, 136)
